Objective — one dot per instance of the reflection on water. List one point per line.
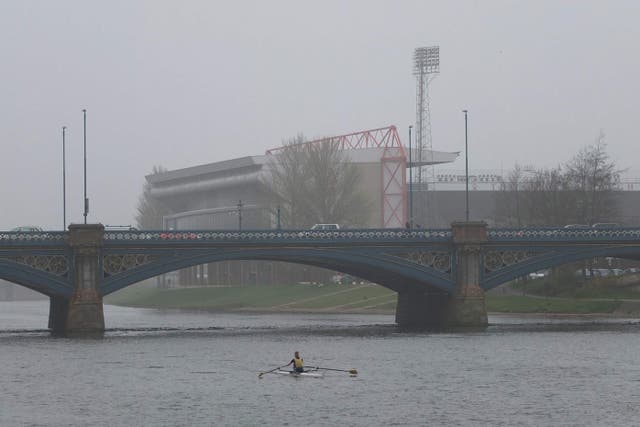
(170, 368)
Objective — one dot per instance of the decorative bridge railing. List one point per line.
(278, 235)
(562, 234)
(39, 238)
(546, 234)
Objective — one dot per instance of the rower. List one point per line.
(297, 362)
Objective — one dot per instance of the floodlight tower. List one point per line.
(426, 65)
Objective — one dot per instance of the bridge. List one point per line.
(440, 275)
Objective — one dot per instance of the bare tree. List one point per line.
(547, 200)
(581, 191)
(288, 177)
(593, 177)
(316, 183)
(150, 211)
(508, 200)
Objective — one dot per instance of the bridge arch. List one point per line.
(385, 269)
(35, 279)
(556, 257)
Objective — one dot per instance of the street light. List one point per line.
(84, 139)
(518, 174)
(410, 183)
(239, 205)
(466, 170)
(64, 182)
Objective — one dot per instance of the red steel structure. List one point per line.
(393, 165)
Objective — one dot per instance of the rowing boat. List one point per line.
(309, 374)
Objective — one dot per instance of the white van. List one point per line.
(326, 227)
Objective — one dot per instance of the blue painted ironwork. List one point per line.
(547, 234)
(39, 260)
(382, 256)
(512, 253)
(33, 238)
(277, 235)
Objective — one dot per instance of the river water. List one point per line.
(172, 368)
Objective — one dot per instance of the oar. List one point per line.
(351, 371)
(274, 369)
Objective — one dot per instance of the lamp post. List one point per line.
(410, 183)
(518, 203)
(64, 182)
(519, 174)
(278, 213)
(466, 170)
(84, 139)
(239, 205)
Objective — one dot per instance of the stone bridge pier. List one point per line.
(83, 312)
(465, 307)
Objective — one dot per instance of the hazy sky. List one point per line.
(180, 83)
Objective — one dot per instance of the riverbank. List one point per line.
(363, 298)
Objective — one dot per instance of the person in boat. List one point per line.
(297, 362)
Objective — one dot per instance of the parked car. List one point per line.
(344, 279)
(599, 272)
(120, 228)
(606, 225)
(326, 227)
(539, 274)
(27, 228)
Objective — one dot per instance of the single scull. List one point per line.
(310, 374)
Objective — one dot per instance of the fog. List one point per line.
(183, 83)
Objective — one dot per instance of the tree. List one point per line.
(509, 200)
(593, 177)
(150, 210)
(316, 183)
(547, 199)
(580, 191)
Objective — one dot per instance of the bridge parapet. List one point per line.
(547, 234)
(33, 238)
(435, 235)
(350, 235)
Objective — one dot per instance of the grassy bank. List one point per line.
(331, 299)
(299, 297)
(528, 304)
